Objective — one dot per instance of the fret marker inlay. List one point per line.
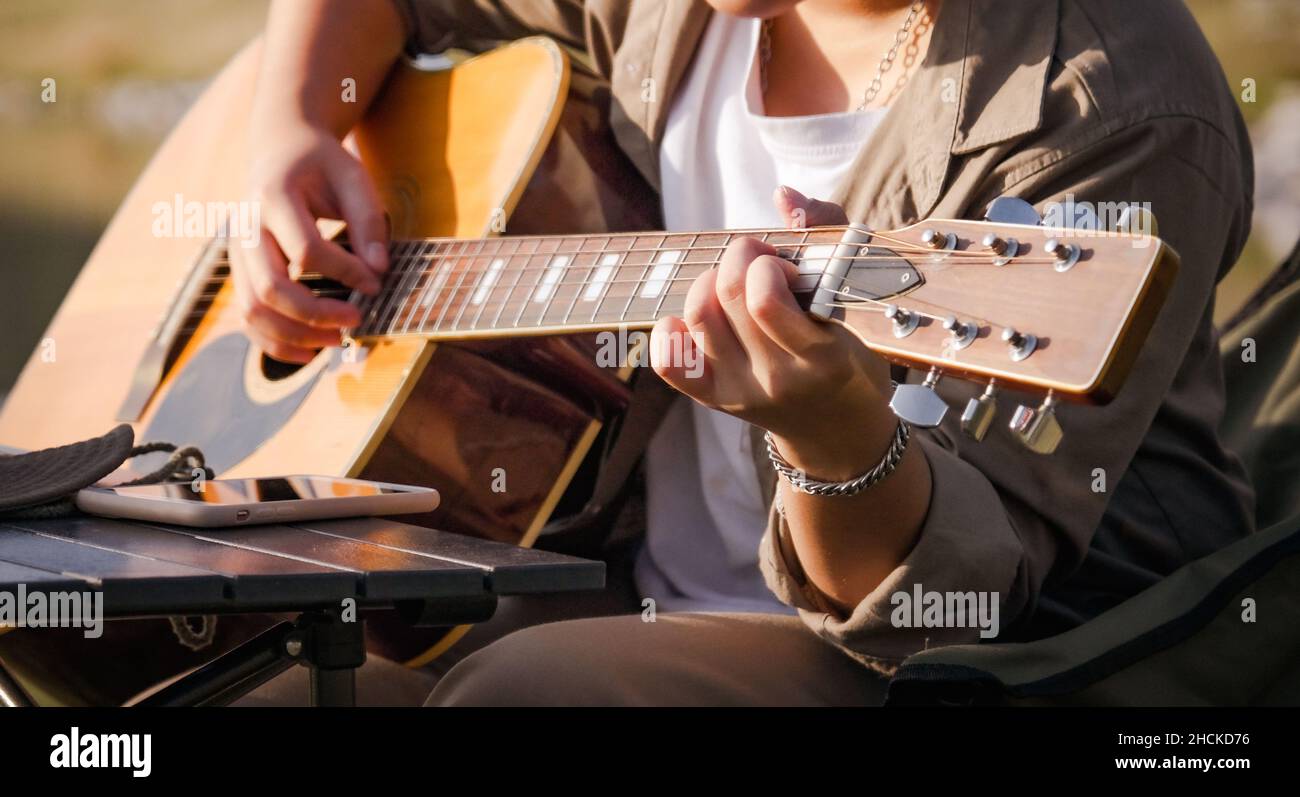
(600, 277)
(659, 275)
(550, 278)
(434, 288)
(489, 279)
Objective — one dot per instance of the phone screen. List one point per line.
(259, 491)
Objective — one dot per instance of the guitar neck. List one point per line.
(1059, 310)
(510, 286)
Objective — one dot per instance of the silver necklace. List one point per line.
(886, 63)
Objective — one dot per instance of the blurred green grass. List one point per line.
(61, 160)
(65, 168)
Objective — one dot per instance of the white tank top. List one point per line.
(720, 161)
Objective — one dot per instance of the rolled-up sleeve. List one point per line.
(949, 551)
(438, 25)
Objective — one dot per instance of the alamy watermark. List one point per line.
(921, 609)
(1103, 218)
(77, 750)
(181, 218)
(632, 347)
(40, 609)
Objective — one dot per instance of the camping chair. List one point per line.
(1219, 631)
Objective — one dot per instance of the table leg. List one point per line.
(333, 687)
(231, 675)
(333, 649)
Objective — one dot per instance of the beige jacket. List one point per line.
(1105, 100)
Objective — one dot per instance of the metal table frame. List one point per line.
(151, 570)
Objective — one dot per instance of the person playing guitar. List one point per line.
(738, 112)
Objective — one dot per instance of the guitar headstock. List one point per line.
(1058, 311)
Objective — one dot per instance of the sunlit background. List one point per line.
(127, 69)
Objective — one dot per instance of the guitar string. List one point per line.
(421, 251)
(591, 272)
(541, 321)
(901, 243)
(856, 258)
(894, 254)
(633, 236)
(577, 287)
(362, 331)
(507, 302)
(465, 304)
(857, 305)
(219, 280)
(405, 313)
(444, 269)
(976, 262)
(511, 292)
(913, 297)
(406, 273)
(389, 316)
(424, 289)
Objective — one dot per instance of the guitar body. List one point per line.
(509, 135)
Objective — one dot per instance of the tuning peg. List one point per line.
(1019, 344)
(938, 240)
(905, 321)
(1037, 429)
(919, 405)
(1003, 249)
(1012, 210)
(979, 412)
(1066, 255)
(961, 333)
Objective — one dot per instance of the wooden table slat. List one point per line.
(253, 576)
(129, 582)
(513, 570)
(12, 575)
(386, 574)
(150, 568)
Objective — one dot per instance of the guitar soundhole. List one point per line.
(274, 370)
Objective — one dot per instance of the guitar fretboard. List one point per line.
(446, 287)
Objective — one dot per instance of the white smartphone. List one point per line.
(239, 502)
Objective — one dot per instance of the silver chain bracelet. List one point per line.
(799, 480)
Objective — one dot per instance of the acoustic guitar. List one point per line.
(518, 238)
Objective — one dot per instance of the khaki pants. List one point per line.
(533, 652)
(687, 659)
